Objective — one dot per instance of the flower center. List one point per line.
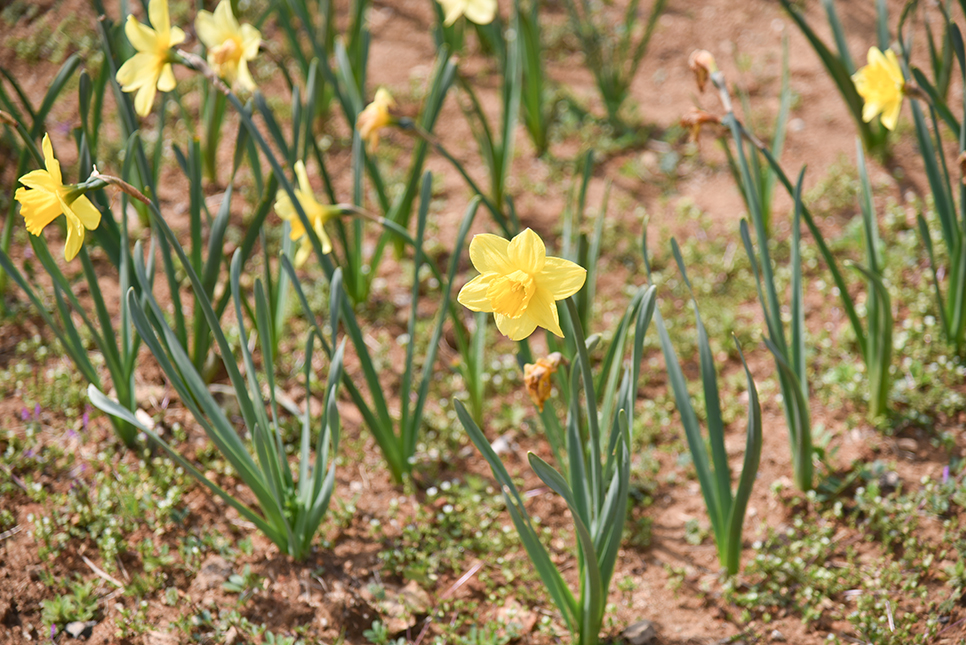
(228, 52)
(510, 294)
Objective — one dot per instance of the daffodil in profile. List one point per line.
(375, 117)
(44, 197)
(519, 284)
(881, 86)
(317, 213)
(482, 12)
(230, 45)
(150, 70)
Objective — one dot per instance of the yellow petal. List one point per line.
(86, 212)
(890, 115)
(515, 328)
(141, 37)
(176, 37)
(303, 177)
(561, 278)
(473, 294)
(144, 99)
(137, 72)
(452, 9)
(323, 238)
(38, 208)
(482, 12)
(488, 253)
(543, 311)
(305, 250)
(225, 18)
(41, 180)
(167, 82)
(51, 163)
(251, 39)
(527, 252)
(75, 238)
(207, 29)
(158, 13)
(244, 77)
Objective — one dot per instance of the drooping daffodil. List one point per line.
(375, 117)
(317, 213)
(230, 45)
(150, 70)
(536, 378)
(45, 196)
(482, 12)
(519, 284)
(881, 86)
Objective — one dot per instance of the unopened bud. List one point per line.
(702, 64)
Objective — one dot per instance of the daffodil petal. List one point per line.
(141, 37)
(561, 278)
(207, 29)
(305, 249)
(136, 72)
(158, 13)
(41, 180)
(144, 99)
(50, 162)
(251, 40)
(167, 82)
(515, 328)
(482, 12)
(323, 238)
(86, 212)
(38, 208)
(890, 115)
(543, 311)
(75, 238)
(488, 253)
(473, 294)
(527, 252)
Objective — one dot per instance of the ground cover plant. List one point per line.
(482, 322)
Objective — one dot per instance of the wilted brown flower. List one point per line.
(696, 118)
(536, 377)
(702, 64)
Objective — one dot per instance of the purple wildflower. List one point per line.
(24, 414)
(945, 473)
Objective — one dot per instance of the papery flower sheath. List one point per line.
(230, 45)
(519, 284)
(482, 12)
(317, 213)
(536, 378)
(150, 70)
(375, 117)
(881, 86)
(45, 196)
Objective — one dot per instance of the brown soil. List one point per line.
(335, 603)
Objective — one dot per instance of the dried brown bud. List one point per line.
(962, 167)
(536, 377)
(696, 118)
(702, 64)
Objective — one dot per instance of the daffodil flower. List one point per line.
(230, 45)
(150, 69)
(317, 213)
(45, 196)
(519, 283)
(375, 117)
(482, 12)
(881, 86)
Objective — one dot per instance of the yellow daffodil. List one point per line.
(230, 45)
(881, 85)
(150, 69)
(519, 283)
(317, 213)
(536, 378)
(375, 117)
(45, 197)
(482, 12)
